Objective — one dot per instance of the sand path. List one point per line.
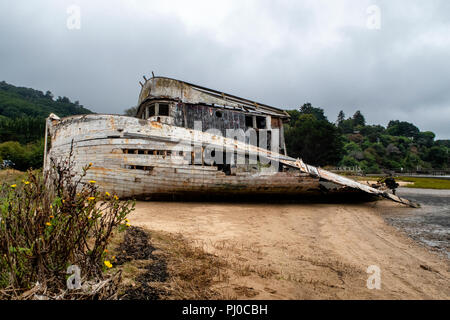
(304, 251)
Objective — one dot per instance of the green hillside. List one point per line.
(22, 122)
(18, 102)
(351, 143)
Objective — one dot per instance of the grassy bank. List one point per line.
(11, 176)
(414, 182)
(425, 183)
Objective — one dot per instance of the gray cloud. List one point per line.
(282, 53)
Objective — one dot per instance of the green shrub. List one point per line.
(49, 224)
(23, 156)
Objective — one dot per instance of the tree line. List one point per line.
(350, 142)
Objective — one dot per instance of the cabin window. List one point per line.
(249, 121)
(163, 109)
(261, 122)
(151, 110)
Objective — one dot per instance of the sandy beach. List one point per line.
(305, 251)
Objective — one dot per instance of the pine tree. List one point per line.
(358, 119)
(340, 118)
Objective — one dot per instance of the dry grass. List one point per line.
(10, 176)
(192, 273)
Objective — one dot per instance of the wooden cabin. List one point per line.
(181, 104)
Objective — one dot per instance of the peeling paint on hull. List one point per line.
(141, 158)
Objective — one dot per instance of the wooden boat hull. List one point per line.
(136, 158)
(147, 167)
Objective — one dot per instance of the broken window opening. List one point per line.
(249, 121)
(153, 152)
(151, 111)
(261, 122)
(163, 110)
(144, 168)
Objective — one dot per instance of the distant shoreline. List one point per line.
(420, 182)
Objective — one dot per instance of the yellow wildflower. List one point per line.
(127, 220)
(48, 224)
(13, 186)
(51, 217)
(114, 257)
(128, 225)
(107, 194)
(90, 163)
(116, 197)
(108, 264)
(27, 182)
(91, 198)
(92, 182)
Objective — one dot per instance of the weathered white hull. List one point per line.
(105, 141)
(144, 159)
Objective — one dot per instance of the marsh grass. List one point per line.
(415, 182)
(426, 183)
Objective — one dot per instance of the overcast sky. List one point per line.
(283, 53)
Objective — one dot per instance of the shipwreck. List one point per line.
(189, 141)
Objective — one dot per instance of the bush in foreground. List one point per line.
(45, 227)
